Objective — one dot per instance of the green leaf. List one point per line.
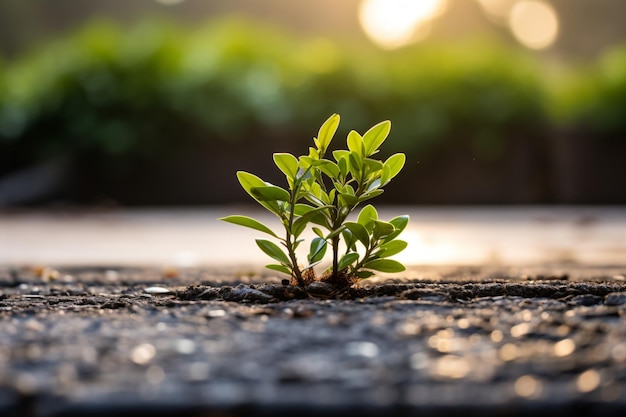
(316, 190)
(248, 222)
(334, 233)
(347, 260)
(385, 265)
(343, 188)
(348, 199)
(318, 232)
(306, 161)
(359, 231)
(340, 153)
(364, 274)
(313, 215)
(349, 239)
(270, 193)
(371, 194)
(373, 185)
(317, 250)
(313, 199)
(249, 181)
(356, 164)
(320, 218)
(374, 137)
(382, 229)
(355, 143)
(391, 248)
(395, 163)
(367, 214)
(299, 226)
(400, 224)
(331, 196)
(327, 131)
(326, 198)
(342, 163)
(279, 268)
(272, 250)
(287, 163)
(374, 167)
(301, 209)
(328, 167)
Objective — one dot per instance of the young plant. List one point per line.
(321, 193)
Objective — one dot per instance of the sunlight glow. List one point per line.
(395, 23)
(534, 23)
(420, 251)
(497, 8)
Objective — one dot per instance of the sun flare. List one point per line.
(395, 23)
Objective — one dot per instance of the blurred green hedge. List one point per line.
(124, 102)
(593, 97)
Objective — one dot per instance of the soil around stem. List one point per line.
(482, 340)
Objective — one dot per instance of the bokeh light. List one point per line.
(395, 23)
(497, 8)
(534, 23)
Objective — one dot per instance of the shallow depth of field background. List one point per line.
(144, 102)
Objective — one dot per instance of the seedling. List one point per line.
(321, 194)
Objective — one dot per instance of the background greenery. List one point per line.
(163, 115)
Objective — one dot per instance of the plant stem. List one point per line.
(294, 262)
(368, 252)
(335, 245)
(288, 243)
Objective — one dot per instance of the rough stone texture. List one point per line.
(477, 341)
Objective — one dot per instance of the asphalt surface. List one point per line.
(474, 340)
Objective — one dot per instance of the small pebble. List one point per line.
(586, 300)
(111, 275)
(616, 299)
(157, 290)
(216, 313)
(320, 289)
(245, 293)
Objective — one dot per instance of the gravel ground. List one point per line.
(480, 340)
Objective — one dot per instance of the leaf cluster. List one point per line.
(322, 192)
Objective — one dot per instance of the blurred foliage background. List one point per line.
(145, 102)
